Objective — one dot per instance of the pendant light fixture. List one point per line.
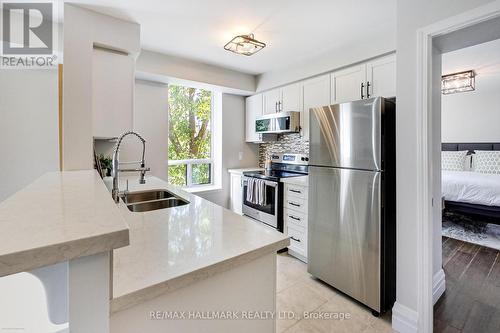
(458, 82)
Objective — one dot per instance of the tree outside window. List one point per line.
(190, 136)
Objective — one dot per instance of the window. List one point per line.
(190, 147)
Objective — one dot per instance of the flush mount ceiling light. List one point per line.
(244, 44)
(458, 82)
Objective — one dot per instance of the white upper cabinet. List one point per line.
(288, 98)
(272, 101)
(112, 91)
(253, 110)
(366, 80)
(291, 98)
(371, 79)
(381, 76)
(316, 92)
(349, 84)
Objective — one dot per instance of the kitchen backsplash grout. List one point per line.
(286, 143)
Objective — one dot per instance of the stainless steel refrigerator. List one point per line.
(352, 202)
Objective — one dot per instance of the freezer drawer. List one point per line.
(344, 231)
(347, 135)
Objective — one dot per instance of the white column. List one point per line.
(89, 293)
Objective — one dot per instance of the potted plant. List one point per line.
(106, 163)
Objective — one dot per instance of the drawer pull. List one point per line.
(295, 191)
(293, 217)
(294, 204)
(295, 239)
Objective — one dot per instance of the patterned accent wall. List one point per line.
(287, 143)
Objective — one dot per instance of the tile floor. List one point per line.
(299, 292)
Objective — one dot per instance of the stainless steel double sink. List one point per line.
(145, 201)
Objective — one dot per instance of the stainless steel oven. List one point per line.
(268, 212)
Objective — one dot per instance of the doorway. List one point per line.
(471, 28)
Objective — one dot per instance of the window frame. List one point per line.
(190, 162)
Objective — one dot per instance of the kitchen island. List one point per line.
(62, 229)
(191, 263)
(199, 259)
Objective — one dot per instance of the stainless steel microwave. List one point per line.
(282, 122)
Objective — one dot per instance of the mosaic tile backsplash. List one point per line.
(286, 143)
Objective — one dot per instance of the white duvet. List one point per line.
(471, 187)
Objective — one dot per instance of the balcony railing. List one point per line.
(190, 173)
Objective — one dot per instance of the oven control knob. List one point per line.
(307, 158)
(302, 158)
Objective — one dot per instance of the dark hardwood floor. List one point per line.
(471, 302)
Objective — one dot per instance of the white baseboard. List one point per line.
(404, 319)
(297, 255)
(438, 285)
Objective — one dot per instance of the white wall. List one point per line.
(372, 47)
(411, 16)
(112, 92)
(473, 116)
(82, 30)
(153, 65)
(233, 142)
(29, 144)
(151, 121)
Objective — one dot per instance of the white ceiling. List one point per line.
(294, 30)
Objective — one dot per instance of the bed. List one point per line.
(472, 193)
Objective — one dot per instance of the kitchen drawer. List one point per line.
(295, 218)
(296, 204)
(298, 240)
(296, 191)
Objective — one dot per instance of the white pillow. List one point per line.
(468, 163)
(486, 161)
(453, 160)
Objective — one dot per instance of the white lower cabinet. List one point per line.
(295, 219)
(236, 196)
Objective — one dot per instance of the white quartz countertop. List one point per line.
(172, 248)
(240, 171)
(301, 180)
(60, 216)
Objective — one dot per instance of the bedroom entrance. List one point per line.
(470, 136)
(470, 189)
(459, 156)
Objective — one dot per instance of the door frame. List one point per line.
(425, 140)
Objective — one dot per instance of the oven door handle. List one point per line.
(268, 183)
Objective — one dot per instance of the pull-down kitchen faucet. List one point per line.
(115, 192)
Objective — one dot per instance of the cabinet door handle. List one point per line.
(293, 204)
(280, 106)
(368, 89)
(276, 106)
(294, 218)
(295, 191)
(362, 86)
(295, 239)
